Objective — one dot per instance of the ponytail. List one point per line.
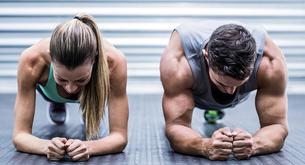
(94, 97)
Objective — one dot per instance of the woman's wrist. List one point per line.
(89, 147)
(45, 145)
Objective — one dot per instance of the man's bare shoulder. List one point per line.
(272, 71)
(176, 74)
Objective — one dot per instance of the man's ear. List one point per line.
(205, 55)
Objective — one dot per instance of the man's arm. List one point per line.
(178, 116)
(178, 107)
(271, 101)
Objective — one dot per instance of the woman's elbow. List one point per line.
(16, 142)
(119, 140)
(122, 145)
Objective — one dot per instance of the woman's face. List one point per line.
(72, 80)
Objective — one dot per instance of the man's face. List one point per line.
(73, 80)
(225, 84)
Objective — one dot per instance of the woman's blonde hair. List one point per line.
(72, 43)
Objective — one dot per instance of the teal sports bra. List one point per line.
(50, 90)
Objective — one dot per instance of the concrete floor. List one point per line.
(147, 142)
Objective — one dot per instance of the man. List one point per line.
(212, 65)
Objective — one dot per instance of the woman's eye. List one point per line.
(62, 80)
(81, 81)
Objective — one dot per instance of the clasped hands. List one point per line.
(74, 148)
(225, 142)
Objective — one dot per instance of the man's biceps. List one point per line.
(176, 124)
(270, 119)
(174, 118)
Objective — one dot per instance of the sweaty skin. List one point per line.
(34, 69)
(270, 102)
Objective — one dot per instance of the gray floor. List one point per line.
(147, 142)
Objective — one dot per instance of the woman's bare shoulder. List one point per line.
(117, 62)
(33, 61)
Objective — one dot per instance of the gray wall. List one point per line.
(141, 29)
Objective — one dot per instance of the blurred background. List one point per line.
(141, 29)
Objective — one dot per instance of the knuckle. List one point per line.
(84, 146)
(248, 134)
(212, 157)
(248, 143)
(225, 128)
(49, 146)
(214, 143)
(55, 139)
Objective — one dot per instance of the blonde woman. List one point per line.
(74, 65)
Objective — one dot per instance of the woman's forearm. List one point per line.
(113, 143)
(28, 143)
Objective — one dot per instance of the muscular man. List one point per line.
(215, 65)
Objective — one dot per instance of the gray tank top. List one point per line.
(194, 37)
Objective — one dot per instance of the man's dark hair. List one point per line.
(232, 51)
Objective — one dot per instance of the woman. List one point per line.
(75, 65)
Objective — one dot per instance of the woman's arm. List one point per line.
(118, 113)
(30, 71)
(27, 76)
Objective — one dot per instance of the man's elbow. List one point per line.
(281, 141)
(170, 136)
(285, 132)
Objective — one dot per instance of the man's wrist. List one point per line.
(254, 147)
(205, 147)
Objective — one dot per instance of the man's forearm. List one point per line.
(185, 140)
(269, 139)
